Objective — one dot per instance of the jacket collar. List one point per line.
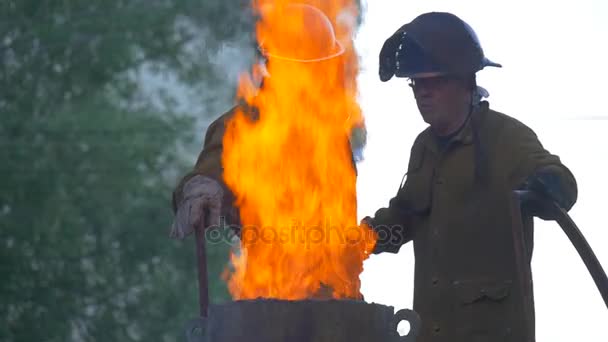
(464, 137)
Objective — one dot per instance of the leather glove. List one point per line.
(358, 140)
(202, 196)
(388, 239)
(546, 186)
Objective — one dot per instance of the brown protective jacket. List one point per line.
(456, 205)
(209, 164)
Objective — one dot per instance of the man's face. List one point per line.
(441, 99)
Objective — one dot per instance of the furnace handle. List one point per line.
(413, 318)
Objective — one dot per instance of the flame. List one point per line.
(290, 165)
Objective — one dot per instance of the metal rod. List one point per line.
(201, 256)
(584, 250)
(577, 239)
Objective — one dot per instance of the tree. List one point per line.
(102, 106)
(90, 154)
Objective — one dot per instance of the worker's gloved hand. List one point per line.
(549, 184)
(388, 238)
(546, 186)
(202, 196)
(358, 140)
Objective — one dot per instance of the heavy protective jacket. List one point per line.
(209, 164)
(456, 206)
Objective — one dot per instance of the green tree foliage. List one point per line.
(89, 157)
(100, 101)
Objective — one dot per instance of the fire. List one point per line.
(290, 167)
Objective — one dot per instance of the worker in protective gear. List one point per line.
(202, 197)
(456, 203)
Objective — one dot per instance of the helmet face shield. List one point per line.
(408, 59)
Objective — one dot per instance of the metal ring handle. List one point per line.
(413, 318)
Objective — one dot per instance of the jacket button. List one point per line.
(435, 281)
(434, 231)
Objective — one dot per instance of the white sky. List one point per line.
(554, 56)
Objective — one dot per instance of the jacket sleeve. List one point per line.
(209, 162)
(391, 225)
(528, 158)
(394, 224)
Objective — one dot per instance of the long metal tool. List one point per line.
(201, 257)
(576, 238)
(584, 250)
(195, 328)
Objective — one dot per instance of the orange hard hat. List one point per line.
(297, 32)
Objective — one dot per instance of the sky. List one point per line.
(553, 78)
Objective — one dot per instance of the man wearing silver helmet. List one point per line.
(472, 277)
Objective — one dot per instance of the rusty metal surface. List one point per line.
(302, 321)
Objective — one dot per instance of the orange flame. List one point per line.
(290, 167)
